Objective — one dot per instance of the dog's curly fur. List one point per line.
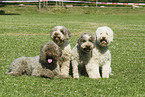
(82, 56)
(39, 65)
(104, 36)
(60, 36)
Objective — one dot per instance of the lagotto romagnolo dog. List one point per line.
(43, 65)
(60, 36)
(82, 56)
(104, 36)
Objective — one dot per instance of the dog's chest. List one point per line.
(104, 57)
(66, 53)
(84, 58)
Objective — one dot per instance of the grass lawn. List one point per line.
(24, 29)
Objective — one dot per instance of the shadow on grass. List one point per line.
(2, 12)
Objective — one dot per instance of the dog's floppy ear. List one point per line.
(79, 40)
(97, 32)
(60, 51)
(111, 36)
(67, 33)
(110, 33)
(93, 39)
(52, 31)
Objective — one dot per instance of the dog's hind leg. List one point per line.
(18, 67)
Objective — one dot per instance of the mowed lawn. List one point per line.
(23, 30)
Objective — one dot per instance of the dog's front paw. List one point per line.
(94, 77)
(47, 73)
(76, 76)
(62, 76)
(105, 76)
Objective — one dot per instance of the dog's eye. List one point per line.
(91, 39)
(83, 40)
(61, 31)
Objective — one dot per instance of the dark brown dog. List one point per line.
(44, 65)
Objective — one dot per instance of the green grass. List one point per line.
(24, 29)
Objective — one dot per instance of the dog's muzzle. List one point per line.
(50, 62)
(103, 41)
(51, 58)
(87, 49)
(57, 39)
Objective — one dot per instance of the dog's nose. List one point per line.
(88, 46)
(103, 38)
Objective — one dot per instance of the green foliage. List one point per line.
(24, 29)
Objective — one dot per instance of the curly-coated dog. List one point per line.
(82, 56)
(44, 65)
(104, 36)
(60, 36)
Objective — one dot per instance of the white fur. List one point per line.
(102, 53)
(104, 32)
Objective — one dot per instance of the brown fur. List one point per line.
(38, 66)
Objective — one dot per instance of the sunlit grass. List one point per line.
(23, 33)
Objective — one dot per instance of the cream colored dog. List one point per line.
(104, 36)
(60, 36)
